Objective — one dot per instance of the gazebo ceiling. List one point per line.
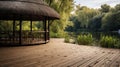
(26, 10)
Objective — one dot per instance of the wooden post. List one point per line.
(45, 30)
(48, 30)
(31, 32)
(20, 33)
(31, 26)
(13, 31)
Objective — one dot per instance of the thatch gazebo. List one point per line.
(26, 10)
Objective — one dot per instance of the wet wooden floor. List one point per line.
(59, 54)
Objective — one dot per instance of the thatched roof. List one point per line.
(26, 10)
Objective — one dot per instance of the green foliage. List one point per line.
(117, 7)
(25, 25)
(64, 8)
(85, 14)
(103, 19)
(117, 45)
(53, 35)
(85, 39)
(5, 25)
(95, 23)
(67, 39)
(76, 24)
(105, 8)
(108, 41)
(82, 18)
(57, 35)
(111, 21)
(8, 25)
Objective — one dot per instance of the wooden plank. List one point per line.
(87, 60)
(75, 60)
(103, 59)
(116, 61)
(94, 60)
(45, 60)
(60, 59)
(113, 59)
(29, 61)
(16, 52)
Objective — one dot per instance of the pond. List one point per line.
(97, 35)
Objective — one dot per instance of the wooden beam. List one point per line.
(20, 33)
(48, 30)
(45, 27)
(14, 31)
(31, 31)
(31, 26)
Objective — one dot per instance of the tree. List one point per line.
(117, 7)
(111, 21)
(105, 8)
(84, 14)
(95, 23)
(64, 8)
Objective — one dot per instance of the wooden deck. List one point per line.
(59, 54)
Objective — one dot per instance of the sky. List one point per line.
(96, 3)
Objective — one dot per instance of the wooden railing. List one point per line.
(28, 37)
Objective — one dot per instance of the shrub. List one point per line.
(117, 45)
(67, 39)
(108, 41)
(54, 35)
(85, 39)
(57, 35)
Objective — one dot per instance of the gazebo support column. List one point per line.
(31, 26)
(45, 27)
(20, 33)
(48, 30)
(13, 31)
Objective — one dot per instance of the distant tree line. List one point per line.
(104, 19)
(88, 19)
